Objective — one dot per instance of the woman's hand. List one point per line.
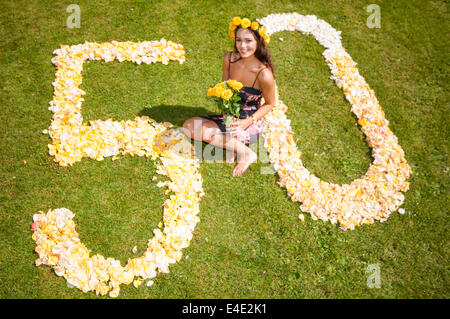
(240, 125)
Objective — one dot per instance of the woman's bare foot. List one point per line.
(231, 156)
(245, 162)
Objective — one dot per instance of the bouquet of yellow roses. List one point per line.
(227, 96)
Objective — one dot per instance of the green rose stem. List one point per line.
(228, 119)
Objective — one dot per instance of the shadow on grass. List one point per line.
(175, 114)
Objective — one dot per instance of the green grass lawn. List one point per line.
(250, 242)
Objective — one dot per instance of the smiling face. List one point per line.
(246, 43)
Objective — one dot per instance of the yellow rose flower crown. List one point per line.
(246, 23)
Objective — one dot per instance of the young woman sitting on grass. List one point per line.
(250, 64)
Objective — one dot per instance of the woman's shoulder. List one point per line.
(226, 56)
(265, 74)
(230, 55)
(265, 78)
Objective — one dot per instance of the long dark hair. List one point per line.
(262, 52)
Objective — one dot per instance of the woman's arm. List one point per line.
(267, 83)
(225, 64)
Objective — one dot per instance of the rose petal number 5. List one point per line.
(57, 242)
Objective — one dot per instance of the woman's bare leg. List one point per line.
(230, 156)
(246, 155)
(244, 162)
(205, 130)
